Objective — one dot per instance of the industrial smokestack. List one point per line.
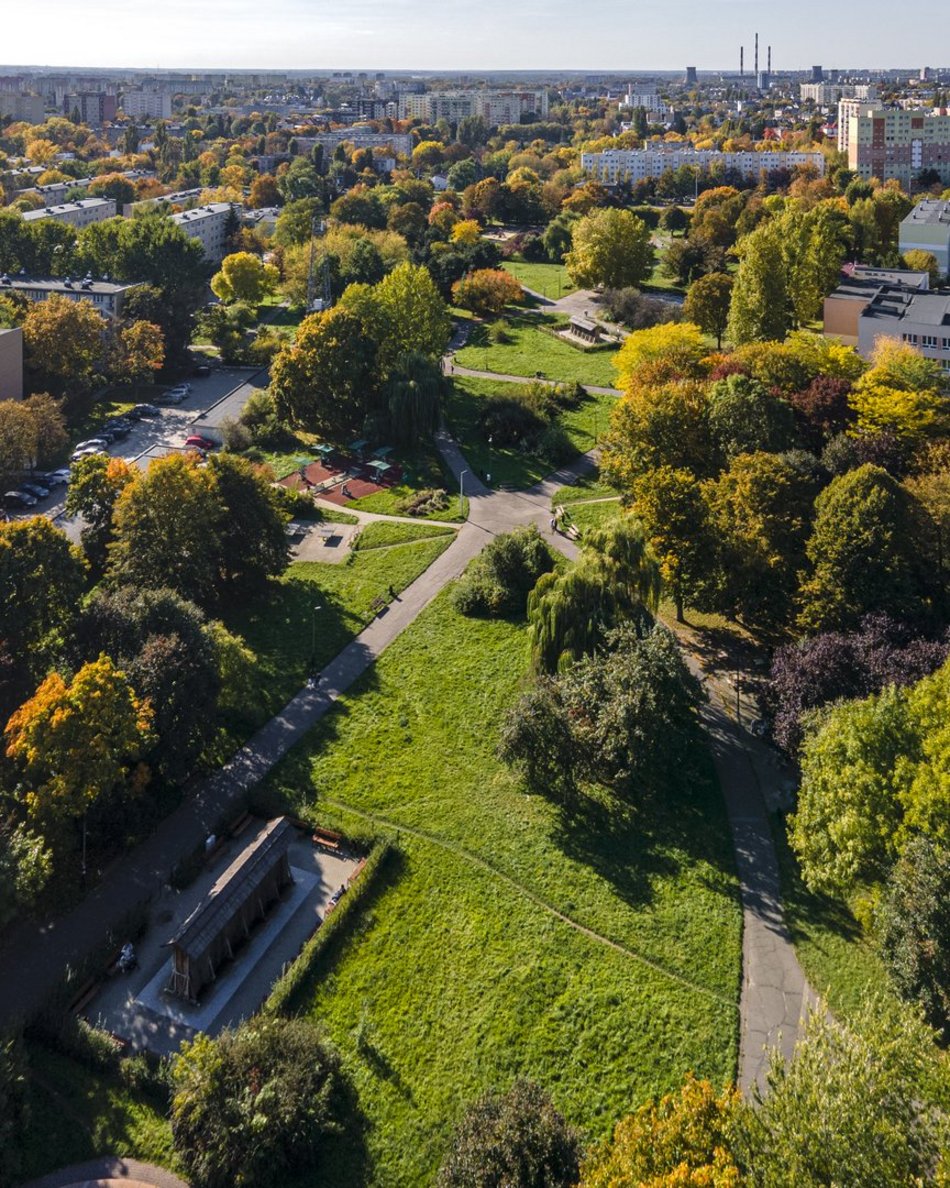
(741, 61)
(756, 60)
(768, 66)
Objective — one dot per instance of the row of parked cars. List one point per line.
(115, 429)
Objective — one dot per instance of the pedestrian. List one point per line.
(393, 594)
(554, 524)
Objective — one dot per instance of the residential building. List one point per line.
(927, 228)
(894, 143)
(859, 286)
(647, 98)
(95, 107)
(920, 319)
(208, 224)
(847, 108)
(825, 94)
(55, 192)
(106, 296)
(11, 364)
(20, 106)
(147, 105)
(632, 165)
(399, 142)
(77, 214)
(495, 107)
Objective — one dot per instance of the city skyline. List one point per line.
(404, 35)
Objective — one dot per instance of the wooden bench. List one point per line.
(84, 995)
(572, 532)
(378, 604)
(328, 838)
(239, 825)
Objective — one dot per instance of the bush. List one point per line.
(254, 1105)
(637, 311)
(499, 579)
(236, 436)
(499, 333)
(296, 504)
(260, 416)
(513, 422)
(426, 502)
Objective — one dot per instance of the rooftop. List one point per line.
(929, 211)
(63, 208)
(925, 309)
(202, 212)
(65, 285)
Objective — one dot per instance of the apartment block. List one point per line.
(19, 106)
(399, 142)
(147, 105)
(11, 364)
(632, 165)
(77, 214)
(495, 107)
(922, 320)
(95, 107)
(894, 143)
(105, 296)
(825, 94)
(209, 225)
(927, 228)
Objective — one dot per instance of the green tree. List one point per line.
(327, 381)
(64, 342)
(654, 427)
(707, 304)
(517, 1139)
(252, 540)
(861, 553)
(25, 867)
(416, 317)
(77, 744)
(760, 308)
(414, 397)
(918, 260)
(14, 1106)
(744, 418)
(499, 579)
(95, 484)
(166, 530)
(669, 351)
(244, 277)
(255, 1105)
(609, 248)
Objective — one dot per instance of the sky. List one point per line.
(469, 34)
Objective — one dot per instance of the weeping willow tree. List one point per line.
(615, 580)
(415, 399)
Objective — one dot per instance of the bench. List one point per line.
(572, 532)
(378, 604)
(84, 995)
(239, 825)
(329, 839)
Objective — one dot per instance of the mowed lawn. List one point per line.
(599, 955)
(550, 280)
(533, 349)
(284, 630)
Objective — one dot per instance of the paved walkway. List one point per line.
(110, 1168)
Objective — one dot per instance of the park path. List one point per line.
(110, 1169)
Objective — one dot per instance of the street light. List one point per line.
(313, 634)
(488, 471)
(462, 493)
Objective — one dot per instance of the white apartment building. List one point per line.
(22, 107)
(826, 94)
(927, 228)
(495, 107)
(144, 105)
(847, 109)
(647, 98)
(633, 165)
(77, 214)
(105, 296)
(209, 225)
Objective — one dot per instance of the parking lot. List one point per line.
(213, 398)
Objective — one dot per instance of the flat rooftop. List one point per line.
(925, 309)
(929, 212)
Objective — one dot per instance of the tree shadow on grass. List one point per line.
(807, 912)
(344, 1159)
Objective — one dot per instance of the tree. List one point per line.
(166, 530)
(414, 396)
(609, 248)
(41, 580)
(861, 1103)
(662, 353)
(65, 341)
(138, 351)
(744, 418)
(25, 867)
(517, 1139)
(861, 553)
(487, 291)
(114, 186)
(669, 504)
(95, 484)
(683, 1139)
(264, 192)
(254, 1105)
(536, 740)
(244, 277)
(14, 1106)
(707, 304)
(901, 393)
(674, 219)
(654, 427)
(759, 310)
(918, 260)
(252, 540)
(616, 578)
(416, 317)
(361, 207)
(78, 744)
(328, 379)
(499, 579)
(822, 410)
(32, 433)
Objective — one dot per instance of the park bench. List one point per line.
(239, 825)
(378, 604)
(84, 995)
(329, 839)
(571, 531)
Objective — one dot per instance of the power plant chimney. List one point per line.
(756, 62)
(742, 61)
(768, 66)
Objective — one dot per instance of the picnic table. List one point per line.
(379, 467)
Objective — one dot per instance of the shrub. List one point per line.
(637, 311)
(499, 333)
(298, 505)
(513, 421)
(425, 502)
(236, 436)
(499, 579)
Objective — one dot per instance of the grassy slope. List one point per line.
(532, 350)
(380, 534)
(279, 629)
(583, 425)
(550, 280)
(593, 515)
(462, 977)
(77, 1114)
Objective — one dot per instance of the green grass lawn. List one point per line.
(584, 425)
(594, 515)
(550, 280)
(598, 954)
(589, 486)
(77, 1114)
(422, 469)
(532, 350)
(839, 960)
(282, 627)
(382, 535)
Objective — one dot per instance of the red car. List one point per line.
(197, 442)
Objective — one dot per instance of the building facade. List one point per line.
(495, 107)
(105, 296)
(95, 107)
(20, 106)
(922, 320)
(209, 225)
(927, 228)
(632, 165)
(825, 94)
(11, 364)
(77, 214)
(147, 105)
(894, 143)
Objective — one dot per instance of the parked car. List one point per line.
(35, 488)
(19, 500)
(145, 410)
(202, 369)
(56, 478)
(98, 442)
(119, 429)
(200, 442)
(86, 452)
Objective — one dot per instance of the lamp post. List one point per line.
(488, 471)
(313, 634)
(462, 493)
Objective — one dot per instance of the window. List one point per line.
(929, 340)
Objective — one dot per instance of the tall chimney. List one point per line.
(741, 61)
(768, 67)
(755, 70)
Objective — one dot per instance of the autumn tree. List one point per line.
(137, 352)
(609, 248)
(79, 743)
(114, 186)
(264, 192)
(95, 484)
(655, 427)
(416, 317)
(32, 433)
(901, 393)
(707, 304)
(760, 308)
(251, 539)
(244, 277)
(65, 341)
(653, 356)
(487, 291)
(745, 418)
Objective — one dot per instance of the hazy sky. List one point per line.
(469, 34)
